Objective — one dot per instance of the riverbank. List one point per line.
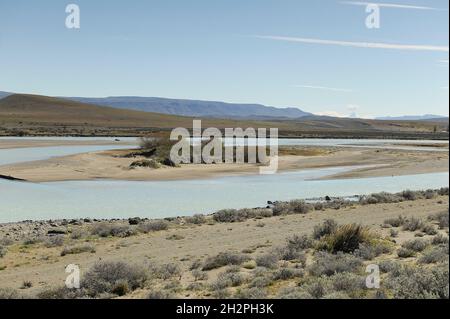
(114, 165)
(180, 252)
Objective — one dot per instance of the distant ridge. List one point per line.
(24, 114)
(426, 117)
(4, 94)
(210, 109)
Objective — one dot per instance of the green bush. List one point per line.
(346, 238)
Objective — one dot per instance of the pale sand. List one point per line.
(107, 165)
(45, 267)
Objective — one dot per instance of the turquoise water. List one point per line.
(122, 199)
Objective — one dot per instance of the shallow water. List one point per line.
(123, 199)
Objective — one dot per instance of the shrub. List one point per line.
(62, 293)
(439, 239)
(252, 293)
(369, 251)
(319, 206)
(199, 275)
(289, 253)
(153, 226)
(406, 253)
(224, 259)
(346, 238)
(396, 222)
(442, 219)
(297, 242)
(387, 266)
(287, 273)
(166, 271)
(221, 294)
(256, 213)
(146, 163)
(328, 264)
(8, 293)
(229, 216)
(4, 241)
(413, 224)
(348, 282)
(443, 191)
(410, 195)
(26, 284)
(196, 219)
(379, 198)
(269, 260)
(394, 233)
(261, 282)
(420, 283)
(77, 234)
(328, 227)
(107, 230)
(160, 295)
(32, 241)
(416, 245)
(79, 249)
(318, 287)
(3, 251)
(429, 229)
(435, 255)
(225, 280)
(299, 207)
(54, 241)
(294, 293)
(110, 277)
(430, 194)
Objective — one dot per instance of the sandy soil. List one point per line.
(109, 165)
(45, 267)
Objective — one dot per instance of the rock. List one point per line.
(57, 232)
(134, 221)
(328, 198)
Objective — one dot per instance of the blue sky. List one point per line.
(249, 51)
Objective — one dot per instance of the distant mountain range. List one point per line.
(43, 115)
(426, 117)
(4, 94)
(216, 110)
(211, 109)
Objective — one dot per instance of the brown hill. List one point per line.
(40, 115)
